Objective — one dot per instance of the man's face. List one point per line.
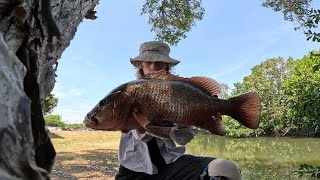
(150, 67)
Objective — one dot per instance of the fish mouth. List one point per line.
(93, 123)
(90, 122)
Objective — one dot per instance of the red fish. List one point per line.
(161, 100)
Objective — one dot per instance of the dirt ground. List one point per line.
(85, 155)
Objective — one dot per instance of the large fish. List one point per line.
(160, 101)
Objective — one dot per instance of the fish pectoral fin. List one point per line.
(159, 131)
(141, 119)
(141, 130)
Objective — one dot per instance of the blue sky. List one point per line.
(233, 37)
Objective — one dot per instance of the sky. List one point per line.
(232, 38)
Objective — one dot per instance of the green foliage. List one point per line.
(299, 12)
(293, 10)
(312, 22)
(54, 120)
(313, 171)
(49, 104)
(268, 80)
(235, 129)
(75, 126)
(290, 97)
(302, 90)
(171, 20)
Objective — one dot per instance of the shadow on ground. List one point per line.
(97, 164)
(54, 136)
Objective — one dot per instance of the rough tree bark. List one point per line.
(33, 35)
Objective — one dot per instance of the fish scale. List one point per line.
(176, 95)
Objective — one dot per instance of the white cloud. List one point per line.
(61, 92)
(272, 36)
(72, 105)
(73, 113)
(75, 92)
(266, 39)
(232, 69)
(58, 91)
(89, 62)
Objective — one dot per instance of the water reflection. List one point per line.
(260, 158)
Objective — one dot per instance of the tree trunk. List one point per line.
(33, 35)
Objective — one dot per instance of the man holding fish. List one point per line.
(160, 110)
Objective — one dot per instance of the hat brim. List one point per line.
(153, 57)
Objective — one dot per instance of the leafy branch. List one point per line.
(172, 19)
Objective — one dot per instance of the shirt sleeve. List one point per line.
(182, 135)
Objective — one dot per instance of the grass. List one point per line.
(85, 155)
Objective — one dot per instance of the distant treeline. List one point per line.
(75, 126)
(54, 120)
(290, 96)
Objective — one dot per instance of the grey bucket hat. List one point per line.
(154, 51)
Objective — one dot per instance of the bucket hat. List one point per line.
(154, 51)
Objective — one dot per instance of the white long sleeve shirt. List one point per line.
(134, 153)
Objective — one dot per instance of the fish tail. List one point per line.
(245, 108)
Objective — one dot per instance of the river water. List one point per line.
(262, 157)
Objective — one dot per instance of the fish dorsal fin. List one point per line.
(207, 84)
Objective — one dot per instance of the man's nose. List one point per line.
(152, 65)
